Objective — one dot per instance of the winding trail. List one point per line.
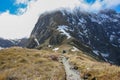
(71, 74)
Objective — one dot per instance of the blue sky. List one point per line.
(90, 1)
(117, 8)
(18, 17)
(9, 5)
(12, 7)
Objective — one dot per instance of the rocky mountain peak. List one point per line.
(98, 33)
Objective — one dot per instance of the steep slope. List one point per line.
(95, 33)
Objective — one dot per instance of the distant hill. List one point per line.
(5, 43)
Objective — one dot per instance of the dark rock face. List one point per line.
(46, 29)
(5, 43)
(98, 31)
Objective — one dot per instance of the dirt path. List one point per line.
(71, 74)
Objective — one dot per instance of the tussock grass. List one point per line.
(29, 64)
(99, 70)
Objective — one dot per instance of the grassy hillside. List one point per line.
(21, 64)
(94, 69)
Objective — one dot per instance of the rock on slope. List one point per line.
(96, 33)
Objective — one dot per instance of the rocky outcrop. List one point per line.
(97, 33)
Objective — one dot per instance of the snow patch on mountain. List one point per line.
(74, 49)
(55, 49)
(64, 29)
(104, 16)
(105, 54)
(115, 20)
(15, 41)
(96, 52)
(36, 41)
(114, 45)
(82, 20)
(63, 13)
(112, 37)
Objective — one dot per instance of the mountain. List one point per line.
(5, 43)
(98, 34)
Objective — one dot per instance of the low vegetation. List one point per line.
(30, 64)
(21, 64)
(92, 69)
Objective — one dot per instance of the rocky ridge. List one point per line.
(95, 33)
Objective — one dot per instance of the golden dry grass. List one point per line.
(89, 65)
(100, 70)
(29, 64)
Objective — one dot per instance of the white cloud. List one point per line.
(98, 5)
(21, 11)
(112, 3)
(13, 26)
(21, 1)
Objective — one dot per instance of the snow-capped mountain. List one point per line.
(97, 33)
(5, 43)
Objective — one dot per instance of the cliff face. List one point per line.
(97, 33)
